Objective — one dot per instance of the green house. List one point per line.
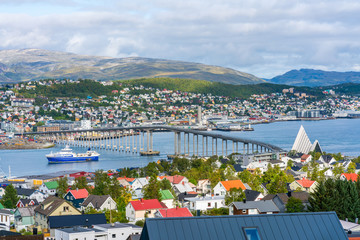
(167, 198)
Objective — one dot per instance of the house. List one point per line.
(173, 212)
(305, 158)
(118, 231)
(29, 193)
(176, 179)
(182, 196)
(139, 183)
(24, 218)
(83, 220)
(349, 177)
(49, 188)
(125, 182)
(53, 206)
(182, 187)
(26, 202)
(136, 210)
(203, 186)
(99, 203)
(5, 216)
(253, 207)
(76, 197)
(205, 203)
(303, 185)
(167, 198)
(281, 199)
(224, 186)
(244, 227)
(327, 160)
(252, 195)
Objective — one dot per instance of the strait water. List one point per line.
(340, 135)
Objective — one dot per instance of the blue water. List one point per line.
(341, 135)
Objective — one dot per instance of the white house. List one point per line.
(205, 203)
(203, 186)
(137, 210)
(5, 216)
(99, 203)
(116, 231)
(49, 188)
(139, 183)
(224, 186)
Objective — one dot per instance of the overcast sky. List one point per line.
(262, 37)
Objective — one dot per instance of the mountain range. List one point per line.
(313, 78)
(35, 64)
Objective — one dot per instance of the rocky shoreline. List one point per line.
(15, 144)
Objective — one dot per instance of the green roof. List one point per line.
(166, 194)
(1, 206)
(51, 185)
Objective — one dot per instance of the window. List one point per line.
(244, 211)
(114, 236)
(209, 204)
(66, 209)
(251, 233)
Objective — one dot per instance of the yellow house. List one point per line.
(53, 206)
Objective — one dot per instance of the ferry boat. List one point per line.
(67, 156)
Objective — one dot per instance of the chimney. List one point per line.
(244, 200)
(356, 220)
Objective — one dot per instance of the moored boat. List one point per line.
(67, 156)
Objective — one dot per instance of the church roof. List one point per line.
(302, 142)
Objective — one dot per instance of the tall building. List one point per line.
(199, 115)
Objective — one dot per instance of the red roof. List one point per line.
(79, 193)
(304, 157)
(175, 212)
(147, 204)
(350, 176)
(173, 179)
(305, 182)
(127, 179)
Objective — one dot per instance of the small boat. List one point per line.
(67, 156)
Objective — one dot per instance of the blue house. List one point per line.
(295, 226)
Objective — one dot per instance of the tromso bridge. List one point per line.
(140, 140)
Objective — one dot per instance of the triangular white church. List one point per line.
(302, 143)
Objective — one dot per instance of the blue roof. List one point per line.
(76, 220)
(321, 225)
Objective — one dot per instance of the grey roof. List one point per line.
(77, 230)
(4, 211)
(251, 195)
(116, 225)
(96, 200)
(25, 191)
(262, 206)
(27, 211)
(50, 175)
(295, 226)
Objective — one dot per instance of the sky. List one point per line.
(262, 37)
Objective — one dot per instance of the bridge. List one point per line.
(140, 139)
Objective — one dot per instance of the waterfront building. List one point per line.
(303, 145)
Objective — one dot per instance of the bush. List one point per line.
(140, 223)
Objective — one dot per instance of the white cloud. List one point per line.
(263, 37)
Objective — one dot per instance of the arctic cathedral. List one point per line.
(303, 145)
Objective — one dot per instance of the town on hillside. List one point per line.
(241, 195)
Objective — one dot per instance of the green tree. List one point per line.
(63, 187)
(102, 183)
(165, 184)
(351, 168)
(294, 205)
(10, 197)
(234, 195)
(245, 176)
(152, 190)
(80, 183)
(122, 202)
(338, 170)
(336, 195)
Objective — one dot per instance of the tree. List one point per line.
(165, 184)
(338, 170)
(63, 187)
(294, 205)
(152, 190)
(245, 176)
(10, 197)
(351, 168)
(336, 195)
(80, 183)
(102, 182)
(122, 202)
(234, 195)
